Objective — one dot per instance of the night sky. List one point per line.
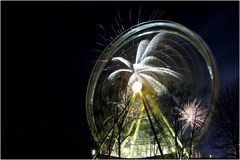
(49, 50)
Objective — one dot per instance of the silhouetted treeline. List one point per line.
(226, 121)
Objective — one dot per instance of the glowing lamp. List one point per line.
(137, 86)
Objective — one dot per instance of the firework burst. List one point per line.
(193, 115)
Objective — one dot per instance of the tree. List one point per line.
(226, 123)
(188, 121)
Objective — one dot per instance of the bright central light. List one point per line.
(190, 118)
(137, 86)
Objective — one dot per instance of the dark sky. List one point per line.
(47, 58)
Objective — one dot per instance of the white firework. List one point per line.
(143, 69)
(193, 115)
